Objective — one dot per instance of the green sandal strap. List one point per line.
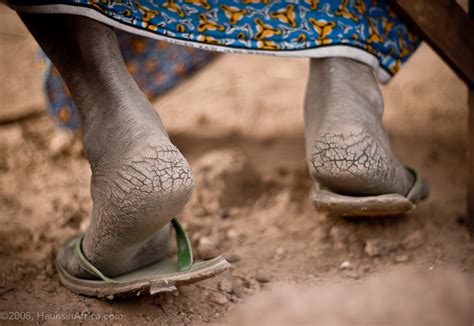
(417, 185)
(185, 253)
(87, 265)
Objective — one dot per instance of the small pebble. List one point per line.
(352, 274)
(402, 258)
(231, 234)
(219, 298)
(59, 143)
(279, 251)
(226, 286)
(376, 247)
(41, 277)
(207, 247)
(262, 278)
(205, 241)
(413, 240)
(346, 265)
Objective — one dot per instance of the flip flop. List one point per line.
(337, 205)
(163, 276)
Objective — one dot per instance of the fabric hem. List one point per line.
(336, 50)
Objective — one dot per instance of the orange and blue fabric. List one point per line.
(364, 30)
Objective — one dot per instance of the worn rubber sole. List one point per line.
(327, 201)
(162, 276)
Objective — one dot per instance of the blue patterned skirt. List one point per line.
(364, 30)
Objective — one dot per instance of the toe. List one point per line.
(68, 260)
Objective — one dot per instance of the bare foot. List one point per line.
(347, 147)
(140, 180)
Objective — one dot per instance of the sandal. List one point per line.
(334, 204)
(162, 276)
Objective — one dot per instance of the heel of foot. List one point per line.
(134, 198)
(356, 164)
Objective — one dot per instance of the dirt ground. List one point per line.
(239, 123)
